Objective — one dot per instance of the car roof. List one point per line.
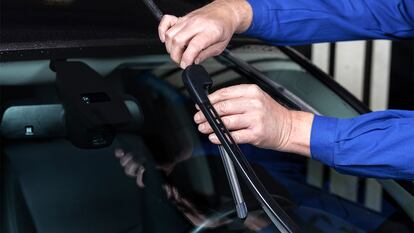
(36, 28)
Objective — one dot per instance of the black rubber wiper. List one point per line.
(197, 81)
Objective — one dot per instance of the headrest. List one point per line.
(49, 121)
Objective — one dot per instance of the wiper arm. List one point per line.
(287, 96)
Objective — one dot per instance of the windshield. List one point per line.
(150, 170)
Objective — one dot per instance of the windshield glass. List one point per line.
(142, 166)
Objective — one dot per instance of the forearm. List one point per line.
(286, 22)
(378, 144)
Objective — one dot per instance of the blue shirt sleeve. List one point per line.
(377, 144)
(287, 22)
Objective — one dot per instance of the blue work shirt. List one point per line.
(378, 144)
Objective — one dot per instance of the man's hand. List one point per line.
(254, 117)
(204, 32)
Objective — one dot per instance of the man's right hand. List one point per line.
(253, 117)
(204, 32)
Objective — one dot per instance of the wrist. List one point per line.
(298, 140)
(243, 14)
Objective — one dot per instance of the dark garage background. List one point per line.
(380, 73)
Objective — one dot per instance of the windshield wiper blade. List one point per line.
(197, 81)
(241, 208)
(239, 202)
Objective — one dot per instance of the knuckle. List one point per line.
(236, 137)
(260, 104)
(199, 20)
(216, 31)
(224, 92)
(256, 103)
(195, 46)
(168, 35)
(228, 121)
(256, 136)
(254, 89)
(222, 107)
(166, 17)
(255, 140)
(177, 40)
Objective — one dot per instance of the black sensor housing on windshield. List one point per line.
(93, 107)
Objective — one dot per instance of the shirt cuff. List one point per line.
(322, 141)
(260, 18)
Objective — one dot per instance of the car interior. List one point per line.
(60, 173)
(80, 80)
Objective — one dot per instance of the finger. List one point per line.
(234, 122)
(240, 137)
(166, 23)
(211, 51)
(131, 169)
(194, 48)
(237, 91)
(125, 159)
(226, 107)
(168, 191)
(180, 43)
(119, 153)
(140, 176)
(176, 194)
(172, 33)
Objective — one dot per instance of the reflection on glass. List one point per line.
(162, 175)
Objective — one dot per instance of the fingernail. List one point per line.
(197, 61)
(200, 127)
(212, 137)
(196, 117)
(183, 65)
